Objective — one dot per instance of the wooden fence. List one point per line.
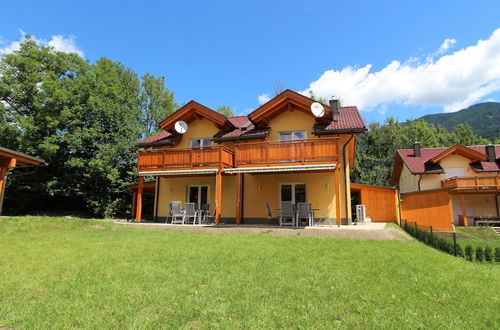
(428, 208)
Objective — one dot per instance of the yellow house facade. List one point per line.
(242, 168)
(465, 178)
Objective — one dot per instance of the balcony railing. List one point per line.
(479, 183)
(185, 158)
(323, 150)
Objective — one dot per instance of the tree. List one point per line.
(83, 119)
(157, 102)
(463, 134)
(226, 110)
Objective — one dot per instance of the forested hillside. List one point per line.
(484, 118)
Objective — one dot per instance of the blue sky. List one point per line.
(232, 52)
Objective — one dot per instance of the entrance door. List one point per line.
(198, 195)
(293, 192)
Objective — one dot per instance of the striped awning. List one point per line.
(180, 172)
(268, 169)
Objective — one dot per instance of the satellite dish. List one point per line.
(317, 109)
(181, 127)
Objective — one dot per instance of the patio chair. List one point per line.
(190, 213)
(286, 214)
(304, 212)
(176, 213)
(208, 218)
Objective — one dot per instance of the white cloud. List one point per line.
(452, 81)
(263, 98)
(58, 42)
(447, 44)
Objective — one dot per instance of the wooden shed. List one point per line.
(10, 159)
(381, 202)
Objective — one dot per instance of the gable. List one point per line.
(285, 101)
(291, 120)
(194, 110)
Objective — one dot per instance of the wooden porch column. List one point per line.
(138, 214)
(134, 200)
(218, 195)
(464, 209)
(3, 175)
(239, 188)
(337, 196)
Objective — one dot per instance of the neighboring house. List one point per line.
(10, 159)
(279, 152)
(445, 186)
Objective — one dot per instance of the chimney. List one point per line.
(416, 149)
(334, 109)
(490, 153)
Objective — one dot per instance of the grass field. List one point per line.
(74, 273)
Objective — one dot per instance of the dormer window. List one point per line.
(292, 135)
(200, 143)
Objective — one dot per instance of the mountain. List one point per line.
(483, 117)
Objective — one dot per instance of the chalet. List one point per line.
(244, 169)
(446, 187)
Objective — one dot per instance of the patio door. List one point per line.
(198, 195)
(293, 192)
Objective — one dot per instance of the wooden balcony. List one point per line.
(184, 158)
(300, 152)
(474, 183)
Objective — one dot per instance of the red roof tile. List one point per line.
(158, 138)
(418, 164)
(238, 121)
(348, 120)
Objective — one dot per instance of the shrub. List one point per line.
(479, 254)
(488, 254)
(497, 254)
(460, 251)
(469, 253)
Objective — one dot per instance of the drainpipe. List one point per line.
(345, 178)
(420, 178)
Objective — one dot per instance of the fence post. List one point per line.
(454, 244)
(432, 238)
(415, 226)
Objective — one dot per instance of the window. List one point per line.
(200, 143)
(293, 192)
(293, 135)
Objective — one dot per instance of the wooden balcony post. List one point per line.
(221, 163)
(138, 214)
(464, 210)
(337, 196)
(239, 190)
(218, 195)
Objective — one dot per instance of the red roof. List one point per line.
(238, 121)
(157, 139)
(347, 119)
(418, 164)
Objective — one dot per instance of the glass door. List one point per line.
(293, 192)
(198, 195)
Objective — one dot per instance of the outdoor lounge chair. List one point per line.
(286, 214)
(176, 213)
(190, 213)
(304, 212)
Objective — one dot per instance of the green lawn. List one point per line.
(69, 273)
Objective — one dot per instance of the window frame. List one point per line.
(292, 134)
(200, 140)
